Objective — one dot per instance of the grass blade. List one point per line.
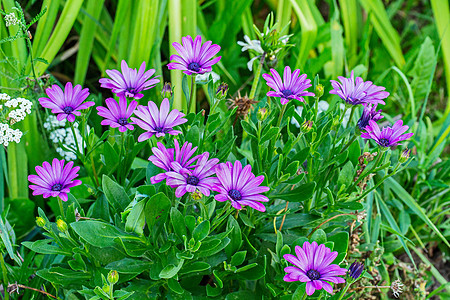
(309, 30)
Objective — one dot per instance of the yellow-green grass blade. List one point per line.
(309, 30)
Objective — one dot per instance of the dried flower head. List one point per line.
(244, 104)
(396, 288)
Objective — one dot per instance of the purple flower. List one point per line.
(312, 264)
(194, 57)
(157, 121)
(117, 114)
(164, 158)
(129, 83)
(358, 91)
(54, 180)
(185, 180)
(355, 270)
(240, 186)
(292, 86)
(369, 113)
(68, 103)
(388, 136)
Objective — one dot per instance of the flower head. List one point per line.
(312, 264)
(404, 155)
(200, 178)
(66, 104)
(397, 288)
(194, 58)
(370, 112)
(355, 270)
(292, 86)
(129, 83)
(243, 103)
(157, 121)
(240, 186)
(54, 180)
(116, 115)
(358, 91)
(387, 137)
(172, 158)
(11, 19)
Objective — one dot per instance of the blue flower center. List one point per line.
(122, 121)
(384, 142)
(68, 109)
(363, 122)
(57, 187)
(131, 91)
(313, 274)
(287, 93)
(192, 180)
(159, 129)
(193, 66)
(235, 195)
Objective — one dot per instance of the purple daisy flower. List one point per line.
(194, 57)
(387, 137)
(312, 264)
(358, 91)
(292, 86)
(129, 83)
(117, 114)
(157, 121)
(185, 180)
(164, 158)
(66, 104)
(54, 180)
(370, 112)
(240, 186)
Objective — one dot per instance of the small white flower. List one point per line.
(11, 19)
(251, 45)
(203, 78)
(396, 288)
(4, 97)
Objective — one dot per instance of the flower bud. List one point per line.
(113, 277)
(40, 222)
(307, 126)
(196, 195)
(404, 155)
(166, 91)
(222, 91)
(261, 114)
(319, 91)
(62, 226)
(355, 270)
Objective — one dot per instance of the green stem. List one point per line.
(304, 296)
(78, 153)
(351, 115)
(344, 290)
(5, 275)
(61, 208)
(349, 142)
(30, 49)
(191, 97)
(281, 115)
(256, 78)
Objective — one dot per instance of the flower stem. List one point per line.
(257, 76)
(78, 153)
(351, 114)
(61, 208)
(5, 275)
(349, 143)
(304, 296)
(191, 98)
(283, 110)
(344, 290)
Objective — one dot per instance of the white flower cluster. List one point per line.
(22, 108)
(59, 134)
(11, 19)
(203, 78)
(7, 134)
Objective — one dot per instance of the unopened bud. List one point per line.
(196, 195)
(40, 222)
(319, 91)
(113, 277)
(307, 126)
(404, 155)
(262, 114)
(355, 270)
(222, 91)
(62, 226)
(166, 91)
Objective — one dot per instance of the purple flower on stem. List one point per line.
(292, 86)
(185, 180)
(387, 137)
(312, 264)
(157, 121)
(117, 114)
(164, 158)
(358, 91)
(194, 58)
(54, 180)
(240, 186)
(355, 270)
(370, 112)
(129, 83)
(67, 103)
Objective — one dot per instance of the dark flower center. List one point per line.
(363, 122)
(384, 142)
(67, 109)
(287, 93)
(159, 129)
(122, 121)
(193, 66)
(57, 187)
(235, 195)
(313, 274)
(192, 180)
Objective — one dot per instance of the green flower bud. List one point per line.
(40, 222)
(62, 226)
(196, 195)
(307, 126)
(319, 91)
(262, 114)
(166, 91)
(113, 277)
(404, 155)
(222, 91)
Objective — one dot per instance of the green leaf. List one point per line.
(177, 220)
(299, 194)
(77, 264)
(175, 286)
(97, 233)
(238, 258)
(43, 247)
(136, 218)
(64, 277)
(423, 69)
(171, 270)
(129, 266)
(194, 267)
(157, 209)
(116, 195)
(346, 175)
(201, 231)
(319, 236)
(235, 236)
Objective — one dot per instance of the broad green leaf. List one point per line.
(116, 195)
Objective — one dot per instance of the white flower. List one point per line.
(251, 45)
(7, 134)
(4, 97)
(10, 19)
(203, 78)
